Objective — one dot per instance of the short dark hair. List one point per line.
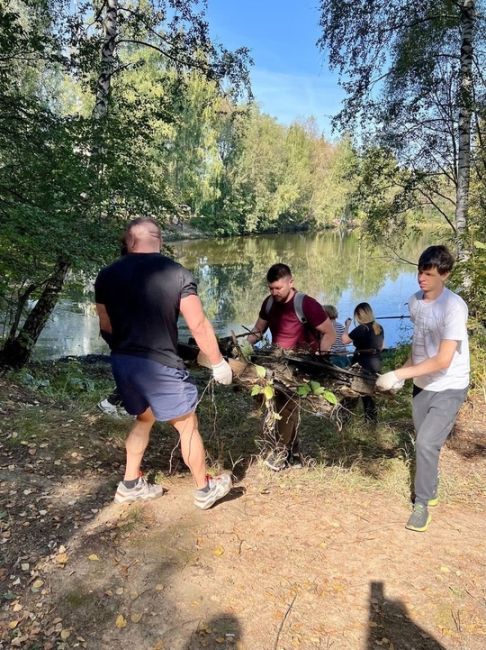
(277, 272)
(438, 257)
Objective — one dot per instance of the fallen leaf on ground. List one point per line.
(136, 617)
(65, 634)
(218, 551)
(121, 621)
(37, 584)
(93, 557)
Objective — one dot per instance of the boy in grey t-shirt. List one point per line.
(439, 366)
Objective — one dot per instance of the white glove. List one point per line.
(389, 381)
(222, 373)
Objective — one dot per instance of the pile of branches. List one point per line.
(296, 375)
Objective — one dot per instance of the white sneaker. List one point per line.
(122, 413)
(142, 491)
(107, 408)
(219, 486)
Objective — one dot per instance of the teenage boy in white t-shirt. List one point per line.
(439, 367)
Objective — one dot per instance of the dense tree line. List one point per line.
(110, 109)
(116, 108)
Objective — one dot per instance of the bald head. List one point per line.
(143, 236)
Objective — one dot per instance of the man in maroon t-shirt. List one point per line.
(317, 335)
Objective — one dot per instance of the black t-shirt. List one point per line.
(142, 294)
(368, 346)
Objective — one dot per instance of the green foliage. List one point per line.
(315, 388)
(66, 380)
(260, 371)
(72, 175)
(415, 96)
(477, 349)
(275, 178)
(470, 275)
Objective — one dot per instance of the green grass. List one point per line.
(358, 456)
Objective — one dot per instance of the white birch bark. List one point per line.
(464, 124)
(107, 60)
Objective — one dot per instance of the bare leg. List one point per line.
(192, 447)
(136, 443)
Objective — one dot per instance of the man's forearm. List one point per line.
(107, 337)
(327, 340)
(206, 341)
(254, 337)
(427, 367)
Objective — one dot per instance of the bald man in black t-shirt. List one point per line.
(138, 300)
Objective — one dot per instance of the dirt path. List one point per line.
(294, 560)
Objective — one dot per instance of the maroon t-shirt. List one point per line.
(287, 330)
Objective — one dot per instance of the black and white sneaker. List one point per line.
(294, 461)
(276, 460)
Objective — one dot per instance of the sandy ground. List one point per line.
(289, 560)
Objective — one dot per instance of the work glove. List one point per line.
(222, 373)
(389, 381)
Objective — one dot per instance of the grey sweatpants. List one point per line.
(434, 414)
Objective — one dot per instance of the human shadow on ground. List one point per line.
(468, 444)
(223, 631)
(390, 625)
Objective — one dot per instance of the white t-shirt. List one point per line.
(444, 318)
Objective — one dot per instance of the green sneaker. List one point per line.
(419, 519)
(435, 497)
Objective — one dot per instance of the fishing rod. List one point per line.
(387, 317)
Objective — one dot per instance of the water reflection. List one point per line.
(231, 276)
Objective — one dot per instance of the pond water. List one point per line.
(231, 277)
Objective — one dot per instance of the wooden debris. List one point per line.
(290, 372)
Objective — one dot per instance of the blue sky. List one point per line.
(290, 78)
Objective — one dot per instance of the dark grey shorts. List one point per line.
(170, 392)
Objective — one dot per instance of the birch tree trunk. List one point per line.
(103, 84)
(16, 352)
(467, 10)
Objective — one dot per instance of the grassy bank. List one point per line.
(326, 541)
(59, 411)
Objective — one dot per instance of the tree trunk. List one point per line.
(21, 302)
(467, 19)
(107, 60)
(17, 352)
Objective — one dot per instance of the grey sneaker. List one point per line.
(108, 408)
(219, 486)
(122, 413)
(276, 460)
(419, 519)
(142, 491)
(434, 500)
